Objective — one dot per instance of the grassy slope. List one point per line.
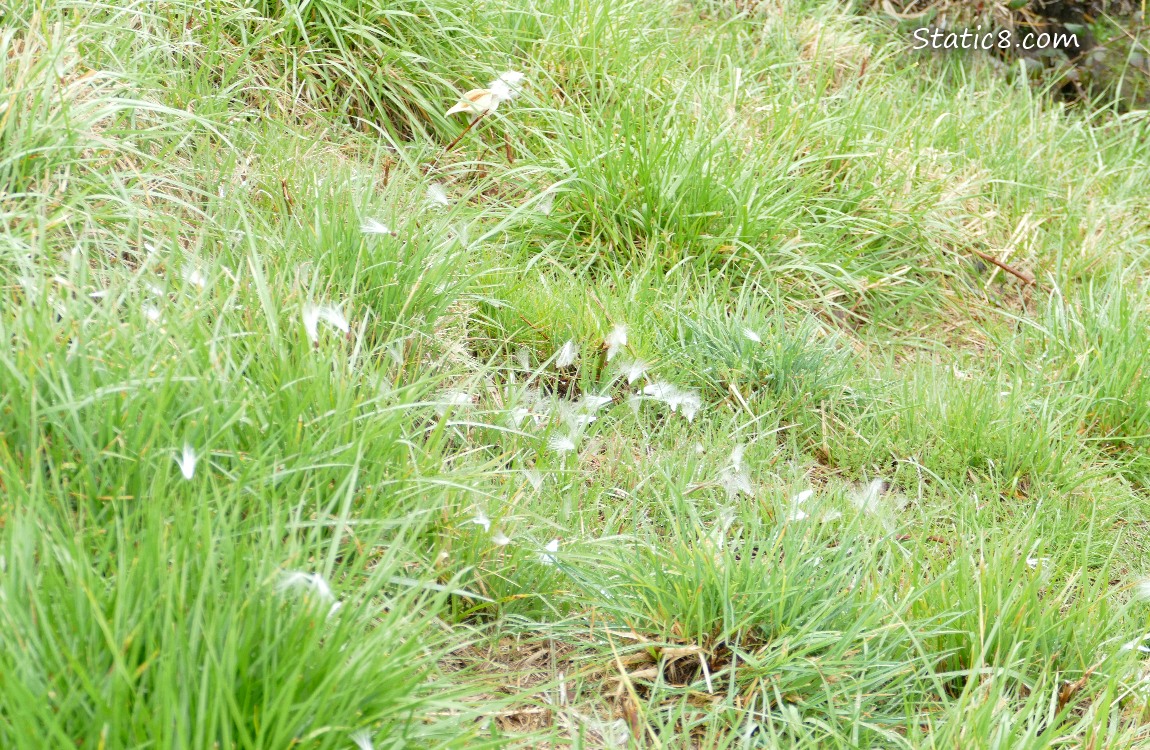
(182, 179)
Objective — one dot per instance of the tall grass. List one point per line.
(311, 434)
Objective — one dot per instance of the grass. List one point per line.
(845, 483)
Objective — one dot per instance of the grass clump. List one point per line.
(733, 383)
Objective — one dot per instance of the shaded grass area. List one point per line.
(843, 482)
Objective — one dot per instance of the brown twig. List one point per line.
(459, 137)
(287, 196)
(1070, 689)
(1026, 278)
(530, 324)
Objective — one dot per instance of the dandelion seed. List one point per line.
(313, 314)
(750, 334)
(534, 477)
(517, 415)
(733, 478)
(362, 739)
(633, 370)
(456, 398)
(867, 498)
(463, 235)
(437, 195)
(481, 519)
(616, 340)
(566, 355)
(592, 403)
(899, 501)
(1139, 644)
(673, 398)
(561, 444)
(523, 357)
(571, 415)
(372, 226)
(735, 482)
(500, 92)
(152, 313)
(311, 583)
(548, 557)
(726, 520)
(635, 401)
(797, 514)
(395, 352)
(187, 462)
(499, 539)
(513, 78)
(311, 322)
(577, 422)
(335, 317)
(691, 405)
(546, 204)
(504, 88)
(716, 538)
(1142, 589)
(663, 391)
(194, 277)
